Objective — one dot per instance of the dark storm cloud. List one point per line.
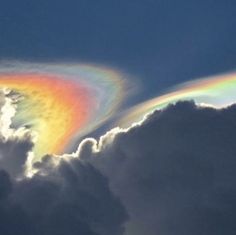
(14, 152)
(176, 172)
(73, 198)
(69, 197)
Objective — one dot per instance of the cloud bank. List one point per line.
(65, 195)
(172, 174)
(73, 199)
(175, 173)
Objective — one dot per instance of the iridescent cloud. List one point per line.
(61, 102)
(217, 91)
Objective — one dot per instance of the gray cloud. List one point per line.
(176, 172)
(69, 197)
(14, 153)
(72, 198)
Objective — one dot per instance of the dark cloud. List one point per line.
(176, 172)
(72, 198)
(14, 152)
(64, 196)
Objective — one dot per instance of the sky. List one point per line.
(160, 43)
(117, 117)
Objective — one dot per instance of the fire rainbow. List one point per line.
(61, 102)
(217, 91)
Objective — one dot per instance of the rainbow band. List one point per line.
(218, 91)
(61, 102)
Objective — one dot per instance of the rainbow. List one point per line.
(61, 102)
(218, 91)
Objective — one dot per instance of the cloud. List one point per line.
(72, 198)
(215, 91)
(59, 101)
(175, 173)
(15, 143)
(64, 196)
(14, 153)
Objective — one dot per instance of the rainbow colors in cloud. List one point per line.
(61, 101)
(218, 91)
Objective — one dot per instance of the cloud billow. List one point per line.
(172, 174)
(175, 173)
(73, 198)
(64, 196)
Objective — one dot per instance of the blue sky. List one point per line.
(160, 43)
